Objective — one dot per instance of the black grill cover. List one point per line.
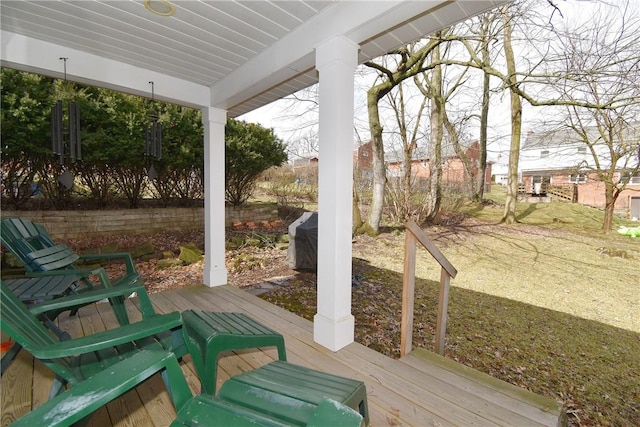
(303, 242)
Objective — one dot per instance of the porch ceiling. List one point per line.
(242, 54)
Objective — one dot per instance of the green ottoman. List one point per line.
(291, 393)
(207, 334)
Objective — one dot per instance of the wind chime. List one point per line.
(65, 140)
(153, 138)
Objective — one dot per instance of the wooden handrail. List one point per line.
(447, 272)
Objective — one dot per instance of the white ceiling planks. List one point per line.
(248, 52)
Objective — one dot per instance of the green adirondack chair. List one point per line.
(35, 290)
(21, 237)
(79, 402)
(77, 359)
(32, 245)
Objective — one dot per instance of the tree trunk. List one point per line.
(408, 144)
(608, 215)
(484, 114)
(357, 218)
(379, 173)
(436, 123)
(509, 216)
(407, 184)
(611, 194)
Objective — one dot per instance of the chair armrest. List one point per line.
(84, 398)
(131, 269)
(109, 338)
(85, 298)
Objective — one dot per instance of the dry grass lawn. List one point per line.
(550, 304)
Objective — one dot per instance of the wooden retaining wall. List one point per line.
(77, 224)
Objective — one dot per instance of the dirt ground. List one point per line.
(247, 267)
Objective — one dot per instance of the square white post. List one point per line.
(336, 61)
(215, 270)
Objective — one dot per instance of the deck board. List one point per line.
(16, 400)
(411, 391)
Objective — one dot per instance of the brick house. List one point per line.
(453, 171)
(363, 157)
(557, 161)
(305, 167)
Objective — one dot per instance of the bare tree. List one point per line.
(303, 146)
(410, 62)
(612, 141)
(536, 67)
(441, 88)
(408, 121)
(511, 80)
(486, 37)
(299, 114)
(603, 57)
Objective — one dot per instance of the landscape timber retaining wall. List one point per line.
(78, 224)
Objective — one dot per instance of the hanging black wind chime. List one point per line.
(65, 140)
(153, 138)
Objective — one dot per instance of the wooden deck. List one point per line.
(422, 389)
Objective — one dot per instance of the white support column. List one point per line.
(336, 61)
(214, 121)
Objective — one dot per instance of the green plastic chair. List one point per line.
(79, 402)
(32, 245)
(77, 359)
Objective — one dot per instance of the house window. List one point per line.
(544, 154)
(582, 150)
(541, 179)
(577, 178)
(630, 179)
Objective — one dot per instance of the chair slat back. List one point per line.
(16, 228)
(20, 323)
(27, 330)
(21, 236)
(52, 258)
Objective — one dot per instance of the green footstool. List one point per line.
(207, 334)
(292, 393)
